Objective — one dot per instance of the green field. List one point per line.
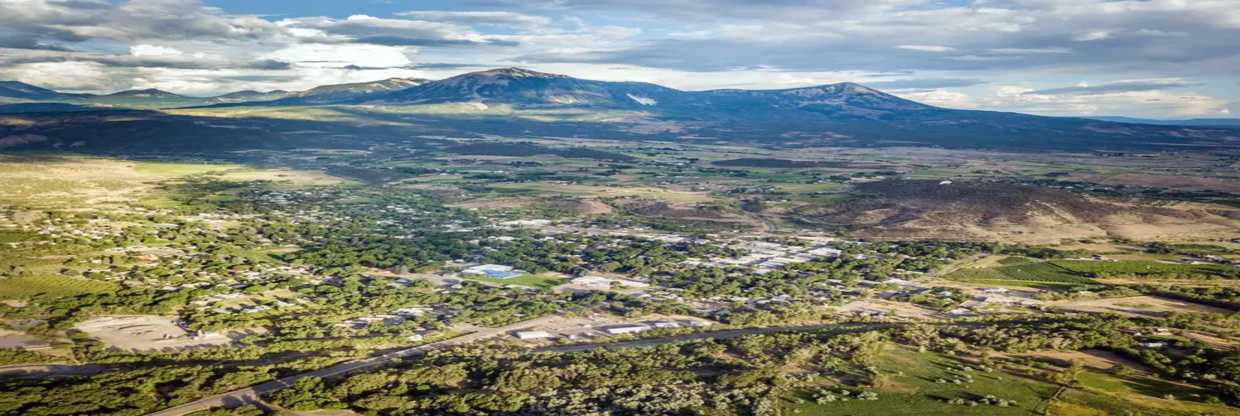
(26, 286)
(1100, 393)
(12, 236)
(1145, 268)
(908, 385)
(1046, 275)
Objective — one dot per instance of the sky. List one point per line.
(1141, 58)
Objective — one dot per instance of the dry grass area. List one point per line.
(49, 182)
(20, 340)
(38, 182)
(1166, 181)
(1142, 306)
(997, 211)
(1096, 359)
(146, 333)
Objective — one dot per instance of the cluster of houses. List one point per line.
(396, 317)
(766, 256)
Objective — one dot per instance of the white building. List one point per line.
(627, 329)
(530, 335)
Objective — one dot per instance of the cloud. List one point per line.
(388, 32)
(1167, 36)
(1140, 103)
(1118, 87)
(478, 17)
(938, 51)
(389, 40)
(924, 83)
(69, 75)
(339, 55)
(153, 50)
(1092, 36)
(926, 48)
(444, 65)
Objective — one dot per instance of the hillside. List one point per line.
(1003, 211)
(23, 91)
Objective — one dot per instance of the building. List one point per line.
(494, 271)
(626, 329)
(531, 335)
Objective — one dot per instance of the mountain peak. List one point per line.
(512, 72)
(18, 89)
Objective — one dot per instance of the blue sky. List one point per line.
(1146, 58)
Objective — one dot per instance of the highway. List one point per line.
(251, 394)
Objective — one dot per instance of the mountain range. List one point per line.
(1199, 122)
(841, 114)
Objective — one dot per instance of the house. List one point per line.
(665, 324)
(959, 312)
(494, 271)
(531, 335)
(626, 329)
(825, 252)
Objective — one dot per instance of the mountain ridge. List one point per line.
(845, 113)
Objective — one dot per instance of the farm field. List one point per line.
(1028, 274)
(908, 384)
(25, 286)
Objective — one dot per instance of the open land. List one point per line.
(486, 275)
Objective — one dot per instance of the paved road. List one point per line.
(251, 395)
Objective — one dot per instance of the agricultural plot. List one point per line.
(909, 383)
(25, 286)
(1145, 268)
(1100, 393)
(923, 383)
(1044, 275)
(1137, 306)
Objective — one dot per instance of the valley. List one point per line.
(512, 242)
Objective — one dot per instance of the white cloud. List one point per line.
(330, 55)
(926, 48)
(68, 76)
(153, 50)
(1145, 103)
(478, 17)
(1092, 36)
(941, 98)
